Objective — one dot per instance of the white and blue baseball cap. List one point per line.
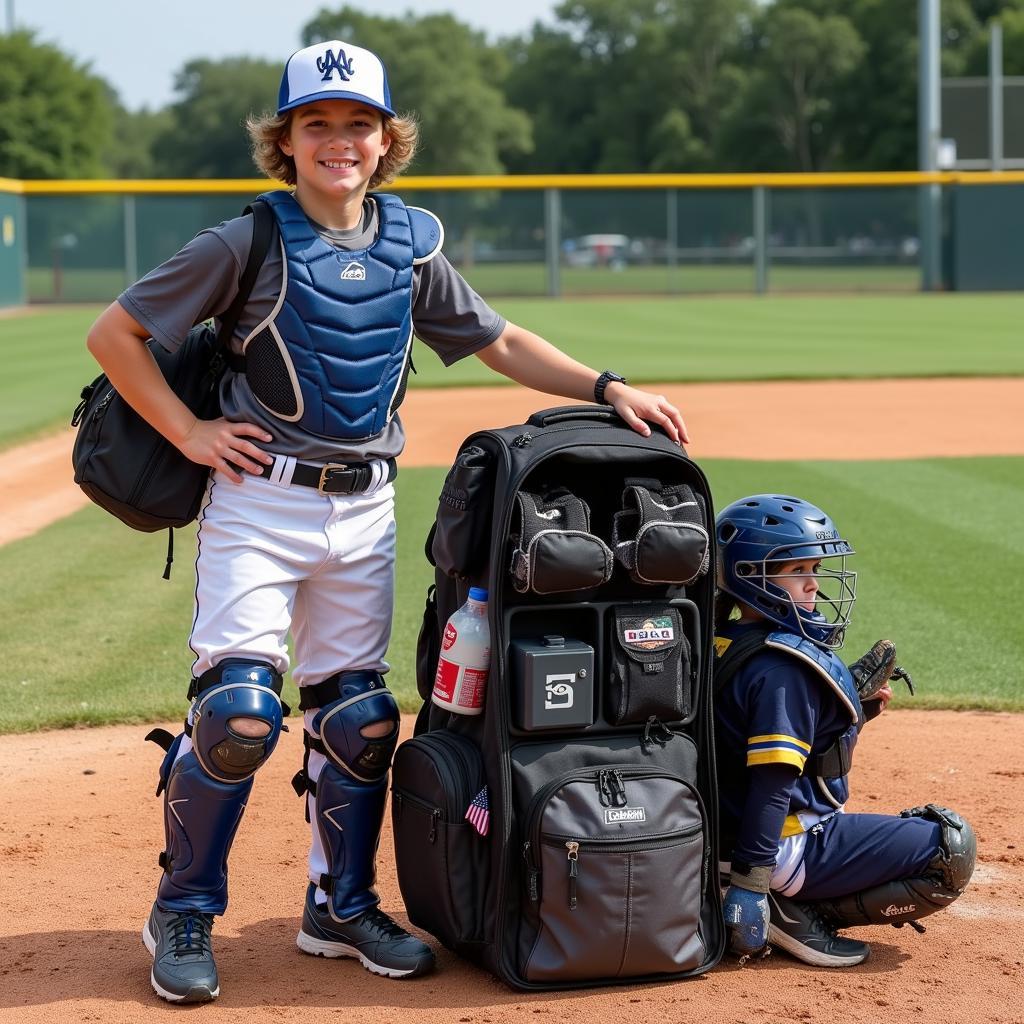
(334, 70)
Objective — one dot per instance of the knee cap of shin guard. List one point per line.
(955, 860)
(365, 701)
(245, 691)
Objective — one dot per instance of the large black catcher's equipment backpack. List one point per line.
(590, 771)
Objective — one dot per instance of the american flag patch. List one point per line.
(478, 813)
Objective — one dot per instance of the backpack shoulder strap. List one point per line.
(262, 236)
(731, 655)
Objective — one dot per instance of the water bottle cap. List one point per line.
(478, 593)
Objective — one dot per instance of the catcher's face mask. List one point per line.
(762, 539)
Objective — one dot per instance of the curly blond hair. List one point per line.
(267, 130)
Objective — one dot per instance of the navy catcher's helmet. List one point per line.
(755, 533)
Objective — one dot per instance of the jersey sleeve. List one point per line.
(198, 282)
(448, 315)
(783, 707)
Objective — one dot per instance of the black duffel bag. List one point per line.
(126, 466)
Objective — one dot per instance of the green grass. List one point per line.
(92, 635)
(651, 339)
(525, 279)
(506, 279)
(102, 284)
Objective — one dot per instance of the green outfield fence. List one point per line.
(565, 235)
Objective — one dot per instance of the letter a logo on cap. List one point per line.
(334, 70)
(328, 64)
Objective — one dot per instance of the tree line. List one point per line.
(644, 86)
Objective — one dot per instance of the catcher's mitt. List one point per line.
(872, 671)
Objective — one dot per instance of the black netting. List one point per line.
(268, 375)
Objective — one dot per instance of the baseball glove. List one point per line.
(872, 671)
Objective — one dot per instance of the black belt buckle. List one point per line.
(337, 478)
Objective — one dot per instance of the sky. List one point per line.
(138, 45)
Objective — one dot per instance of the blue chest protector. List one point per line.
(832, 767)
(334, 354)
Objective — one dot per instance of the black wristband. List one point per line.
(602, 382)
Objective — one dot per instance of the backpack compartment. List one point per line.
(652, 668)
(458, 542)
(616, 868)
(554, 550)
(442, 860)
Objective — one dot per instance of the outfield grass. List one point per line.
(653, 339)
(525, 279)
(92, 635)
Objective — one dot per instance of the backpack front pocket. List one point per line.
(616, 865)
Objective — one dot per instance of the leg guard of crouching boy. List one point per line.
(906, 900)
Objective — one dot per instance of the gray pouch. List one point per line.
(660, 535)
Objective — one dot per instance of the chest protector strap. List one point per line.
(333, 356)
(836, 761)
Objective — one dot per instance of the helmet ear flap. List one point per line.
(726, 532)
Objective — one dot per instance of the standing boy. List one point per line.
(297, 528)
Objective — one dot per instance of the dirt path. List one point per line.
(78, 866)
(79, 826)
(888, 419)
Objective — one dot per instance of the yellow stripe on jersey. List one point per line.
(778, 755)
(777, 748)
(782, 737)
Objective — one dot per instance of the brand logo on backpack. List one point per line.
(618, 815)
(654, 633)
(328, 64)
(354, 272)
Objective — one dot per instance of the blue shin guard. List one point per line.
(206, 789)
(349, 816)
(201, 817)
(351, 789)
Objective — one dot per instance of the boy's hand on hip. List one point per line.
(222, 445)
(636, 407)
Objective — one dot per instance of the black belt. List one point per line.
(333, 477)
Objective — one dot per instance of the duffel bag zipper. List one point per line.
(94, 424)
(155, 462)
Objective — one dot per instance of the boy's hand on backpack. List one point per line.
(223, 445)
(636, 407)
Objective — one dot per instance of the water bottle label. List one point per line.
(447, 679)
(471, 693)
(451, 634)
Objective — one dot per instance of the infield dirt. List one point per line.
(80, 827)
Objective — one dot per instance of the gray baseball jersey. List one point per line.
(201, 280)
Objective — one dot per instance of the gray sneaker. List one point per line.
(380, 944)
(804, 931)
(183, 967)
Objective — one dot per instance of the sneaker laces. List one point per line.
(817, 914)
(190, 934)
(384, 924)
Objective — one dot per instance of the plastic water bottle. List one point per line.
(461, 679)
